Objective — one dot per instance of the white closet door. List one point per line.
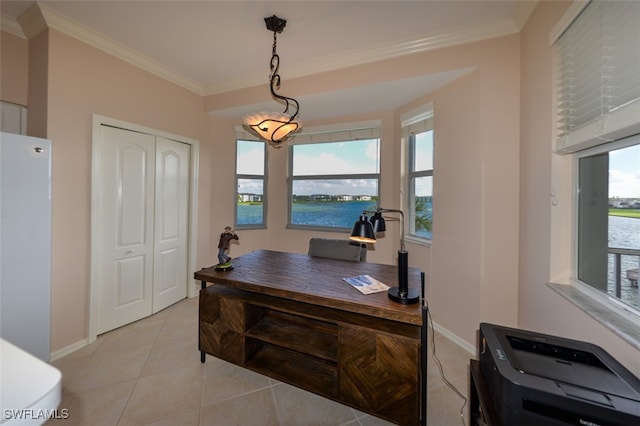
(171, 223)
(127, 176)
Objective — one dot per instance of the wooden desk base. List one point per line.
(369, 363)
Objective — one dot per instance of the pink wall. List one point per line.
(475, 241)
(13, 68)
(38, 85)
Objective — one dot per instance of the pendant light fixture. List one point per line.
(275, 127)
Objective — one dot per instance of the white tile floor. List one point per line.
(149, 373)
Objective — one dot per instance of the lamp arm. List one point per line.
(383, 210)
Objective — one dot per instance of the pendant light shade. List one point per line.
(271, 126)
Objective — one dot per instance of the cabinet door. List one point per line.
(379, 373)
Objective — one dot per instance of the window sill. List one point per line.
(249, 227)
(615, 317)
(417, 240)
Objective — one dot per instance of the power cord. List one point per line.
(442, 376)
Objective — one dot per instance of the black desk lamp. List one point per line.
(364, 231)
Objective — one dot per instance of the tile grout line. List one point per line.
(133, 389)
(275, 401)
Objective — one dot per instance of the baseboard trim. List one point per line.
(68, 349)
(455, 339)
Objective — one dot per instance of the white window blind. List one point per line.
(245, 135)
(417, 121)
(336, 133)
(599, 76)
(339, 133)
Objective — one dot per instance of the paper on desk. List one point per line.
(366, 284)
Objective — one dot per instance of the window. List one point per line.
(421, 184)
(417, 131)
(599, 122)
(333, 181)
(250, 184)
(609, 219)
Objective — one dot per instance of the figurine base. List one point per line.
(227, 266)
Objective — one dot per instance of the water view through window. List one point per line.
(609, 222)
(332, 183)
(421, 184)
(250, 178)
(624, 225)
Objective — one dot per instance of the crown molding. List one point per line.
(32, 21)
(40, 16)
(11, 26)
(522, 12)
(381, 52)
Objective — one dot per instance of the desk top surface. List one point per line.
(317, 281)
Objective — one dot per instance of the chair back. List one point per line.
(338, 249)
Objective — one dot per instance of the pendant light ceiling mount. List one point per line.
(273, 127)
(275, 24)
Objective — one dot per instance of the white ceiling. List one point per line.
(215, 46)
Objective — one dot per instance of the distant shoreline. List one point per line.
(630, 213)
(317, 201)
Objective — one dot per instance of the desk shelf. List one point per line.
(315, 338)
(291, 367)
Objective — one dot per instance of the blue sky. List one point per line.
(359, 157)
(337, 158)
(624, 172)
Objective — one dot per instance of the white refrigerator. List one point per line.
(25, 243)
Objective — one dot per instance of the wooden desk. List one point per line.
(293, 318)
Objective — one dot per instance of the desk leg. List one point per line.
(203, 285)
(424, 352)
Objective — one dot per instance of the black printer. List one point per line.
(537, 379)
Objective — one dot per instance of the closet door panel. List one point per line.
(171, 222)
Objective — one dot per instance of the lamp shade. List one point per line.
(272, 126)
(363, 231)
(378, 223)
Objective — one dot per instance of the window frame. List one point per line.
(416, 121)
(329, 137)
(263, 177)
(614, 302)
(411, 177)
